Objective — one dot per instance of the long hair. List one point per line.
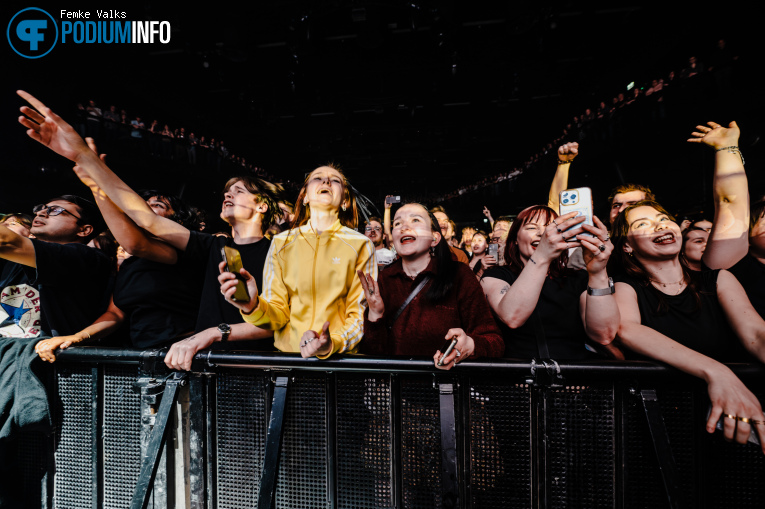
(348, 217)
(446, 266)
(683, 258)
(632, 267)
(513, 253)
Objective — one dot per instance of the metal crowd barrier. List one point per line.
(266, 430)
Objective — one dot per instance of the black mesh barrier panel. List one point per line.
(420, 443)
(364, 442)
(735, 474)
(31, 449)
(122, 436)
(643, 486)
(499, 445)
(580, 457)
(303, 461)
(241, 431)
(683, 421)
(74, 451)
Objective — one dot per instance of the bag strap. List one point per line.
(408, 300)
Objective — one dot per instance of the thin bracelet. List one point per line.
(563, 162)
(733, 149)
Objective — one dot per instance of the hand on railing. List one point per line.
(735, 403)
(46, 347)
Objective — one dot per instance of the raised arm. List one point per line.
(386, 223)
(726, 392)
(729, 240)
(515, 304)
(566, 154)
(600, 314)
(16, 248)
(52, 131)
(133, 239)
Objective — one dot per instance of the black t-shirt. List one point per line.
(751, 274)
(160, 301)
(701, 326)
(213, 308)
(556, 316)
(19, 303)
(73, 280)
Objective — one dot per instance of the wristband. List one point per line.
(602, 291)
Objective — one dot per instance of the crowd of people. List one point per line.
(607, 119)
(299, 277)
(161, 140)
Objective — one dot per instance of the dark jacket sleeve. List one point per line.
(476, 317)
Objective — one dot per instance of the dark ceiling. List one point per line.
(409, 97)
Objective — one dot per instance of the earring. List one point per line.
(432, 250)
(344, 207)
(305, 201)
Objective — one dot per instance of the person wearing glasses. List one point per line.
(374, 231)
(54, 283)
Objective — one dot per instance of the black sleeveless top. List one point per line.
(701, 326)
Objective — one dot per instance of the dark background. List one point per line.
(410, 98)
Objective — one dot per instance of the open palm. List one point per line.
(51, 130)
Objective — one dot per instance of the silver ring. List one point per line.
(371, 292)
(602, 247)
(607, 238)
(559, 230)
(553, 221)
(458, 352)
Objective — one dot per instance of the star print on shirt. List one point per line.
(14, 314)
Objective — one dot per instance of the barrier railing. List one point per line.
(247, 429)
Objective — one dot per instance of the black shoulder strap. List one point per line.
(408, 300)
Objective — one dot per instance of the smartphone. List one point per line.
(448, 347)
(234, 265)
(577, 200)
(492, 250)
(392, 199)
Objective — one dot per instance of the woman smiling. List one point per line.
(684, 317)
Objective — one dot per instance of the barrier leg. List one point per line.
(449, 478)
(156, 443)
(662, 447)
(273, 444)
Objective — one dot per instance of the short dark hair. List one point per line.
(89, 214)
(184, 214)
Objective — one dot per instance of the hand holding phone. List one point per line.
(234, 265)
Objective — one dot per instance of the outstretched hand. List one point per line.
(51, 130)
(228, 282)
(715, 135)
(46, 347)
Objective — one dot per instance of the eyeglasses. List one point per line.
(373, 229)
(52, 210)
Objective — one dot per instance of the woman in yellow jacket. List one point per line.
(311, 297)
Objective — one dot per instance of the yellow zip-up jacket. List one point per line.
(309, 279)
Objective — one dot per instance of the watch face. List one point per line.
(224, 327)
